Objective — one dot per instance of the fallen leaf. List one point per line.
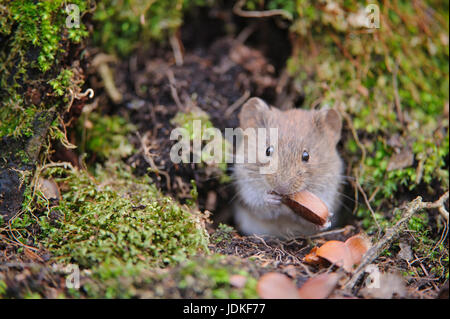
(336, 252)
(312, 257)
(404, 158)
(48, 188)
(238, 281)
(405, 252)
(343, 254)
(358, 246)
(32, 255)
(319, 287)
(276, 286)
(307, 205)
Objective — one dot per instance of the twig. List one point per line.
(233, 107)
(101, 63)
(408, 211)
(363, 193)
(245, 33)
(237, 9)
(149, 157)
(398, 105)
(439, 204)
(427, 274)
(176, 48)
(331, 232)
(355, 137)
(173, 89)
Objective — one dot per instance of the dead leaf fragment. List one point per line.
(276, 286)
(358, 246)
(405, 252)
(336, 252)
(312, 257)
(238, 281)
(48, 188)
(343, 254)
(32, 255)
(320, 286)
(404, 158)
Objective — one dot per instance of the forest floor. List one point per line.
(125, 130)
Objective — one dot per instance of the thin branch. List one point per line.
(173, 89)
(237, 9)
(233, 107)
(398, 104)
(439, 204)
(408, 211)
(363, 193)
(175, 43)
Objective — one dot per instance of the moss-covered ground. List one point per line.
(100, 194)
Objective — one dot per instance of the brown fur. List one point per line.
(316, 132)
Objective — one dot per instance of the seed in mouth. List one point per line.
(308, 206)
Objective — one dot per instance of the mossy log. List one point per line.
(36, 75)
(18, 160)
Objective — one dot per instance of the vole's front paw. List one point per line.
(325, 226)
(272, 199)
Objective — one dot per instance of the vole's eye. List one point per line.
(305, 156)
(269, 151)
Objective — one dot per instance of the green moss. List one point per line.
(34, 40)
(211, 277)
(104, 135)
(200, 277)
(113, 217)
(223, 233)
(433, 254)
(39, 24)
(23, 157)
(61, 82)
(124, 25)
(3, 288)
(207, 157)
(32, 295)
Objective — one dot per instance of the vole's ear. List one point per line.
(330, 120)
(253, 113)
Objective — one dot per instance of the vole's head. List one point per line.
(304, 150)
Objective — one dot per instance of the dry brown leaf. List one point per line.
(32, 255)
(405, 252)
(312, 257)
(336, 252)
(319, 287)
(404, 158)
(358, 246)
(344, 255)
(276, 286)
(48, 188)
(238, 281)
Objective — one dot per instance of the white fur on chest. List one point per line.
(253, 216)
